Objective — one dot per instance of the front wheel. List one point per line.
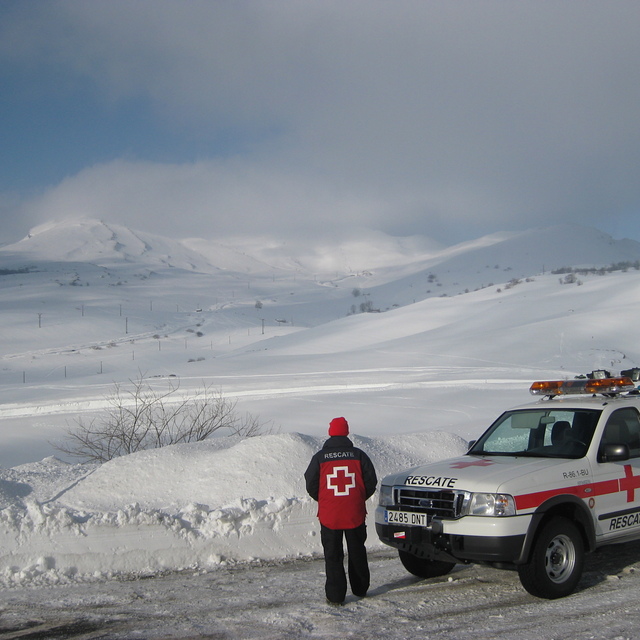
(424, 568)
(556, 562)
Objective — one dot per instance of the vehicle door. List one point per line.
(616, 488)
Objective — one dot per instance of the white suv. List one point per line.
(546, 483)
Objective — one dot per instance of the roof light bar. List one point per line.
(569, 387)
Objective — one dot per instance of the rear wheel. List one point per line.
(556, 562)
(424, 568)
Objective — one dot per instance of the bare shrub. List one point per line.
(145, 418)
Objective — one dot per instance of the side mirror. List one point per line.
(471, 444)
(613, 453)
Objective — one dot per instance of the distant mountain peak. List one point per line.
(96, 242)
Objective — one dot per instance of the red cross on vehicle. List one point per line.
(475, 463)
(341, 481)
(629, 483)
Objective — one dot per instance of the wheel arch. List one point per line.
(565, 506)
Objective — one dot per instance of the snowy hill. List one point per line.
(382, 258)
(85, 305)
(109, 245)
(106, 245)
(499, 258)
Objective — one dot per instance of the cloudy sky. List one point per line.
(216, 118)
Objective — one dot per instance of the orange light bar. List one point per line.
(547, 388)
(610, 385)
(584, 386)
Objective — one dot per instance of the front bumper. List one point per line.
(467, 539)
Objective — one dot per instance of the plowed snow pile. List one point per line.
(190, 505)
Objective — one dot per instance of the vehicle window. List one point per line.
(623, 427)
(553, 433)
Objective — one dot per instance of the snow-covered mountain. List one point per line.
(110, 245)
(106, 245)
(407, 269)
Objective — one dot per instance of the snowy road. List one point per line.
(284, 600)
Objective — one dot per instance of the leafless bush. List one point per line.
(145, 418)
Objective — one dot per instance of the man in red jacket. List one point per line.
(341, 478)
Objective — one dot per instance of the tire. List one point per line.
(556, 562)
(424, 568)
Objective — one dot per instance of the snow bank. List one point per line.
(192, 505)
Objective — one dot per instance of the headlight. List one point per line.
(491, 504)
(386, 496)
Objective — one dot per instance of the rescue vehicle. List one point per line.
(545, 484)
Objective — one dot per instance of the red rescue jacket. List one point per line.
(341, 477)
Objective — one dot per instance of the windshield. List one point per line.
(543, 433)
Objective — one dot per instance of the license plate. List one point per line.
(408, 518)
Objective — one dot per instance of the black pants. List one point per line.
(336, 584)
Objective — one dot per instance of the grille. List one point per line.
(444, 504)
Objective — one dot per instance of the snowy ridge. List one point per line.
(388, 259)
(109, 245)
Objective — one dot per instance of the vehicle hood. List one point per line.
(489, 474)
